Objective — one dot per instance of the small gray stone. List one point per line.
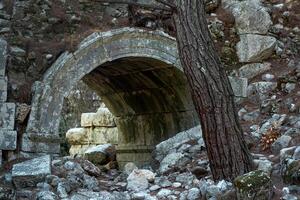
(61, 190)
(281, 143)
(239, 86)
(193, 194)
(212, 191)
(163, 181)
(154, 187)
(69, 165)
(251, 70)
(163, 193)
(296, 155)
(289, 87)
(46, 195)
(17, 51)
(43, 186)
(129, 167)
(251, 116)
(264, 165)
(31, 172)
(259, 90)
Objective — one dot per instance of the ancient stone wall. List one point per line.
(96, 129)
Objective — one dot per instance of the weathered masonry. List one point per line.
(8, 136)
(137, 74)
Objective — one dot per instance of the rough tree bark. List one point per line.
(210, 88)
(211, 92)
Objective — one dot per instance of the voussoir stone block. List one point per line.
(3, 89)
(8, 139)
(7, 115)
(31, 172)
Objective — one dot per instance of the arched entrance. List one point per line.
(138, 75)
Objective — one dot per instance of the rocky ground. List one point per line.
(270, 117)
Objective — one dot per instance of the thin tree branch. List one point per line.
(151, 4)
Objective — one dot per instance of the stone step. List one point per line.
(3, 89)
(8, 139)
(7, 115)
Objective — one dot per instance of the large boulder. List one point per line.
(254, 185)
(31, 172)
(255, 48)
(251, 17)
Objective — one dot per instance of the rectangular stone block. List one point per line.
(31, 172)
(3, 56)
(3, 89)
(7, 115)
(39, 147)
(8, 139)
(239, 86)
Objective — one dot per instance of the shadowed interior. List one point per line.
(150, 100)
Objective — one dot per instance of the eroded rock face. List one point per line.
(255, 48)
(31, 172)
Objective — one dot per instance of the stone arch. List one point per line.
(104, 50)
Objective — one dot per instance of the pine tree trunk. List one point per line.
(211, 92)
